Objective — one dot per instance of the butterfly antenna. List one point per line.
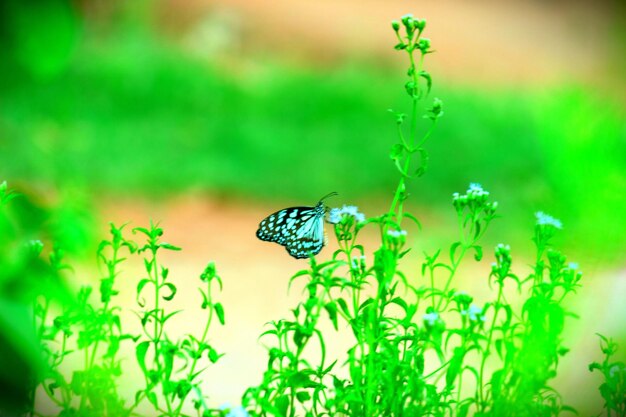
(328, 195)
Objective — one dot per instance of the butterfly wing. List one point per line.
(299, 229)
(280, 226)
(309, 238)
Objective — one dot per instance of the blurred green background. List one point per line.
(159, 98)
(266, 105)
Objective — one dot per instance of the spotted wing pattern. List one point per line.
(299, 229)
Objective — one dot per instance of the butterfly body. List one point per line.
(299, 229)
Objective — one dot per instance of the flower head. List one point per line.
(396, 233)
(474, 313)
(358, 262)
(431, 318)
(335, 215)
(616, 370)
(238, 411)
(547, 220)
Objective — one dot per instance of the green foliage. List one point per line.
(419, 345)
(24, 276)
(613, 389)
(202, 127)
(171, 368)
(92, 330)
(418, 348)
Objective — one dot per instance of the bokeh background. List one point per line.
(207, 115)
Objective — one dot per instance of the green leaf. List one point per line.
(282, 404)
(142, 283)
(167, 352)
(213, 355)
(396, 151)
(219, 310)
(344, 306)
(170, 315)
(172, 289)
(429, 82)
(455, 366)
(140, 353)
(168, 246)
(303, 396)
(205, 299)
(331, 309)
(479, 253)
(453, 249)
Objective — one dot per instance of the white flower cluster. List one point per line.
(336, 214)
(475, 195)
(616, 370)
(238, 411)
(502, 248)
(396, 233)
(431, 318)
(358, 262)
(546, 219)
(474, 313)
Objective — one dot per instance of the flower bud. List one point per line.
(424, 45)
(395, 25)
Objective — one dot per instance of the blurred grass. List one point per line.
(133, 114)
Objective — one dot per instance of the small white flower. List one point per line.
(614, 370)
(431, 318)
(546, 219)
(572, 265)
(238, 411)
(396, 233)
(474, 186)
(357, 262)
(475, 313)
(335, 214)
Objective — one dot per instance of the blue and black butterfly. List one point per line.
(299, 229)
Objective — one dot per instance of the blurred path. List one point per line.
(482, 41)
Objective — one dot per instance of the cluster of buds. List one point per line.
(347, 221)
(435, 111)
(346, 213)
(474, 313)
(502, 266)
(572, 275)
(396, 239)
(209, 273)
(358, 263)
(545, 228)
(475, 198)
(467, 308)
(565, 275)
(546, 220)
(433, 321)
(413, 27)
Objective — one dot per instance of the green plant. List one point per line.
(613, 389)
(174, 367)
(92, 330)
(421, 347)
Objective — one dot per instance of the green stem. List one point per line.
(481, 395)
(194, 362)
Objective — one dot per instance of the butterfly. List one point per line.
(299, 229)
